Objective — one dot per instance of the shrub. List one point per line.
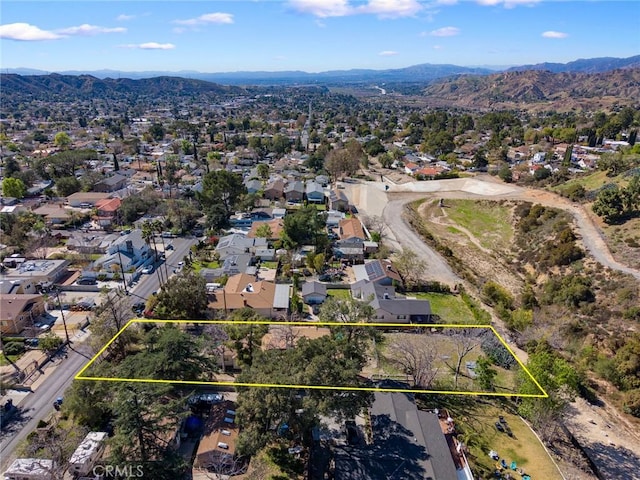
(14, 348)
(495, 295)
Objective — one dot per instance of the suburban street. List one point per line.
(37, 405)
(150, 283)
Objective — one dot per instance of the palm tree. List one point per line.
(159, 227)
(148, 236)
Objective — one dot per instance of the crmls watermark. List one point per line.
(118, 471)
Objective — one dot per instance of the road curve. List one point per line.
(390, 208)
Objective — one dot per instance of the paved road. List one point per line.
(150, 283)
(38, 404)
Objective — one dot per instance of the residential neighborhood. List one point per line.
(305, 282)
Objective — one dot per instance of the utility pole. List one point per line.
(64, 322)
(124, 282)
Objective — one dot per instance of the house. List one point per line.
(294, 191)
(111, 183)
(217, 447)
(253, 186)
(382, 272)
(333, 218)
(126, 252)
(86, 199)
(276, 226)
(54, 214)
(313, 293)
(88, 453)
(402, 436)
(322, 180)
(31, 469)
(90, 242)
(338, 200)
(19, 311)
(17, 287)
(389, 307)
(314, 192)
(351, 228)
(274, 190)
(235, 244)
(410, 168)
(107, 210)
(268, 299)
(279, 212)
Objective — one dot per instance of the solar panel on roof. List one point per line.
(373, 269)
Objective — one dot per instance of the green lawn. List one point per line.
(450, 308)
(198, 265)
(489, 222)
(13, 358)
(344, 293)
(272, 265)
(523, 447)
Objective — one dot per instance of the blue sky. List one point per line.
(310, 35)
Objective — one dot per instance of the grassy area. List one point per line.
(13, 358)
(199, 265)
(343, 293)
(272, 265)
(478, 423)
(450, 308)
(590, 182)
(488, 222)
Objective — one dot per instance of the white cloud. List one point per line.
(150, 46)
(388, 53)
(446, 2)
(391, 8)
(125, 18)
(26, 32)
(322, 8)
(552, 34)
(87, 29)
(508, 3)
(208, 18)
(445, 32)
(437, 47)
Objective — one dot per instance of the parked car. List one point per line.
(147, 269)
(169, 247)
(86, 281)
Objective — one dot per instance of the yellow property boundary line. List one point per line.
(80, 374)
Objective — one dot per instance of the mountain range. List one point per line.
(416, 73)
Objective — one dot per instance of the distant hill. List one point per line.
(423, 73)
(584, 65)
(558, 91)
(61, 87)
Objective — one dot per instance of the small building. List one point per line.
(294, 191)
(107, 209)
(88, 199)
(314, 293)
(274, 190)
(267, 298)
(338, 200)
(31, 469)
(276, 226)
(314, 192)
(19, 311)
(54, 214)
(382, 272)
(350, 228)
(217, 447)
(111, 184)
(88, 453)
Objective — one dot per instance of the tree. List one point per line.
(183, 296)
(303, 227)
(609, 204)
(66, 186)
(245, 336)
(263, 170)
(111, 316)
(13, 187)
(11, 167)
(505, 174)
(264, 231)
(480, 161)
(410, 267)
(50, 342)
(416, 355)
(464, 340)
(221, 194)
(485, 375)
(62, 140)
(157, 131)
